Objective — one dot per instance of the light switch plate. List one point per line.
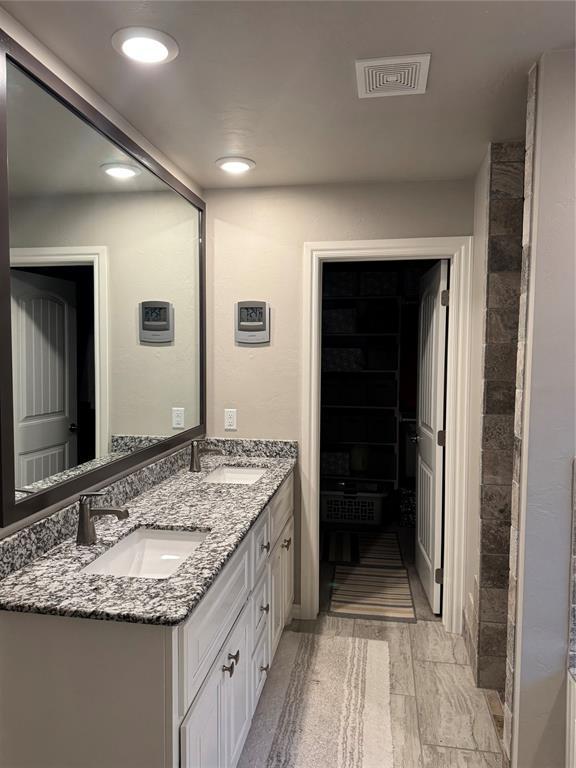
(177, 418)
(230, 419)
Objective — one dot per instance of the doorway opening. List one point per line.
(383, 352)
(54, 369)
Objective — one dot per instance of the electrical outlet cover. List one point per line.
(230, 419)
(177, 418)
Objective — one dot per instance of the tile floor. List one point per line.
(439, 718)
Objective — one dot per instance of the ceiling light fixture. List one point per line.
(121, 171)
(235, 165)
(147, 46)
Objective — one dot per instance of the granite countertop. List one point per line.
(55, 584)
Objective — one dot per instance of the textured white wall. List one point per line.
(472, 559)
(255, 239)
(152, 242)
(548, 430)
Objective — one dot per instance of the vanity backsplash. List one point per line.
(20, 548)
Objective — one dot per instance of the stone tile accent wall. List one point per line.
(518, 397)
(506, 202)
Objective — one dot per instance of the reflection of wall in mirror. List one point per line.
(152, 241)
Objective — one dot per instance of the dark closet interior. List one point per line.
(368, 395)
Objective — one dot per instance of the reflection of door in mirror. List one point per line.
(44, 372)
(68, 207)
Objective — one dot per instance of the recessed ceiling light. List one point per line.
(235, 165)
(121, 170)
(148, 46)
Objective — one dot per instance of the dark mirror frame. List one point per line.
(68, 491)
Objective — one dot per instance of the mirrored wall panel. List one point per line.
(105, 290)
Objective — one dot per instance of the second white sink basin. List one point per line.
(148, 553)
(235, 475)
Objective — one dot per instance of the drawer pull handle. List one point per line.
(265, 547)
(265, 608)
(229, 669)
(265, 668)
(287, 543)
(235, 657)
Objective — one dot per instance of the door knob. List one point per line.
(414, 438)
(265, 668)
(265, 547)
(229, 668)
(73, 428)
(235, 657)
(265, 608)
(286, 543)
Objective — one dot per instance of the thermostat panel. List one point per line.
(251, 322)
(156, 322)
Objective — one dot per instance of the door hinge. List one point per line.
(439, 576)
(445, 298)
(441, 437)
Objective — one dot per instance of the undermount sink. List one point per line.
(235, 475)
(148, 553)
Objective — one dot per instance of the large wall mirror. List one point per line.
(106, 302)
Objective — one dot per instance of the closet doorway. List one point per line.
(449, 542)
(384, 331)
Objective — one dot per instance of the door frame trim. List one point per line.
(458, 250)
(97, 257)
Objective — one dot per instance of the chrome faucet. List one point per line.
(86, 530)
(198, 451)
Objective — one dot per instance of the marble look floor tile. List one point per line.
(398, 638)
(405, 733)
(431, 642)
(452, 712)
(447, 757)
(328, 625)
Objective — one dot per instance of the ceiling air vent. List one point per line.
(397, 76)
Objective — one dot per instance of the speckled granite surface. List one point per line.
(68, 474)
(55, 583)
(129, 443)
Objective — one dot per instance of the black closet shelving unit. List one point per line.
(361, 326)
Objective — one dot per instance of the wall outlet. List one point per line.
(230, 419)
(177, 418)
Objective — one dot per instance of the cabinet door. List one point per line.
(276, 598)
(237, 688)
(287, 545)
(201, 739)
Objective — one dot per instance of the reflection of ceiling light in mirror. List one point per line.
(147, 46)
(121, 170)
(235, 165)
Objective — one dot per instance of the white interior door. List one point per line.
(44, 373)
(430, 425)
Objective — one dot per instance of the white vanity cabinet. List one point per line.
(84, 693)
(217, 722)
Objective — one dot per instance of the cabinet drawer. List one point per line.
(260, 605)
(261, 546)
(202, 635)
(280, 508)
(260, 667)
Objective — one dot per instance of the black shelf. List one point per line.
(361, 334)
(362, 407)
(333, 443)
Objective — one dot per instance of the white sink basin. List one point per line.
(235, 475)
(148, 554)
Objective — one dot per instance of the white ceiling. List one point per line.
(275, 81)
